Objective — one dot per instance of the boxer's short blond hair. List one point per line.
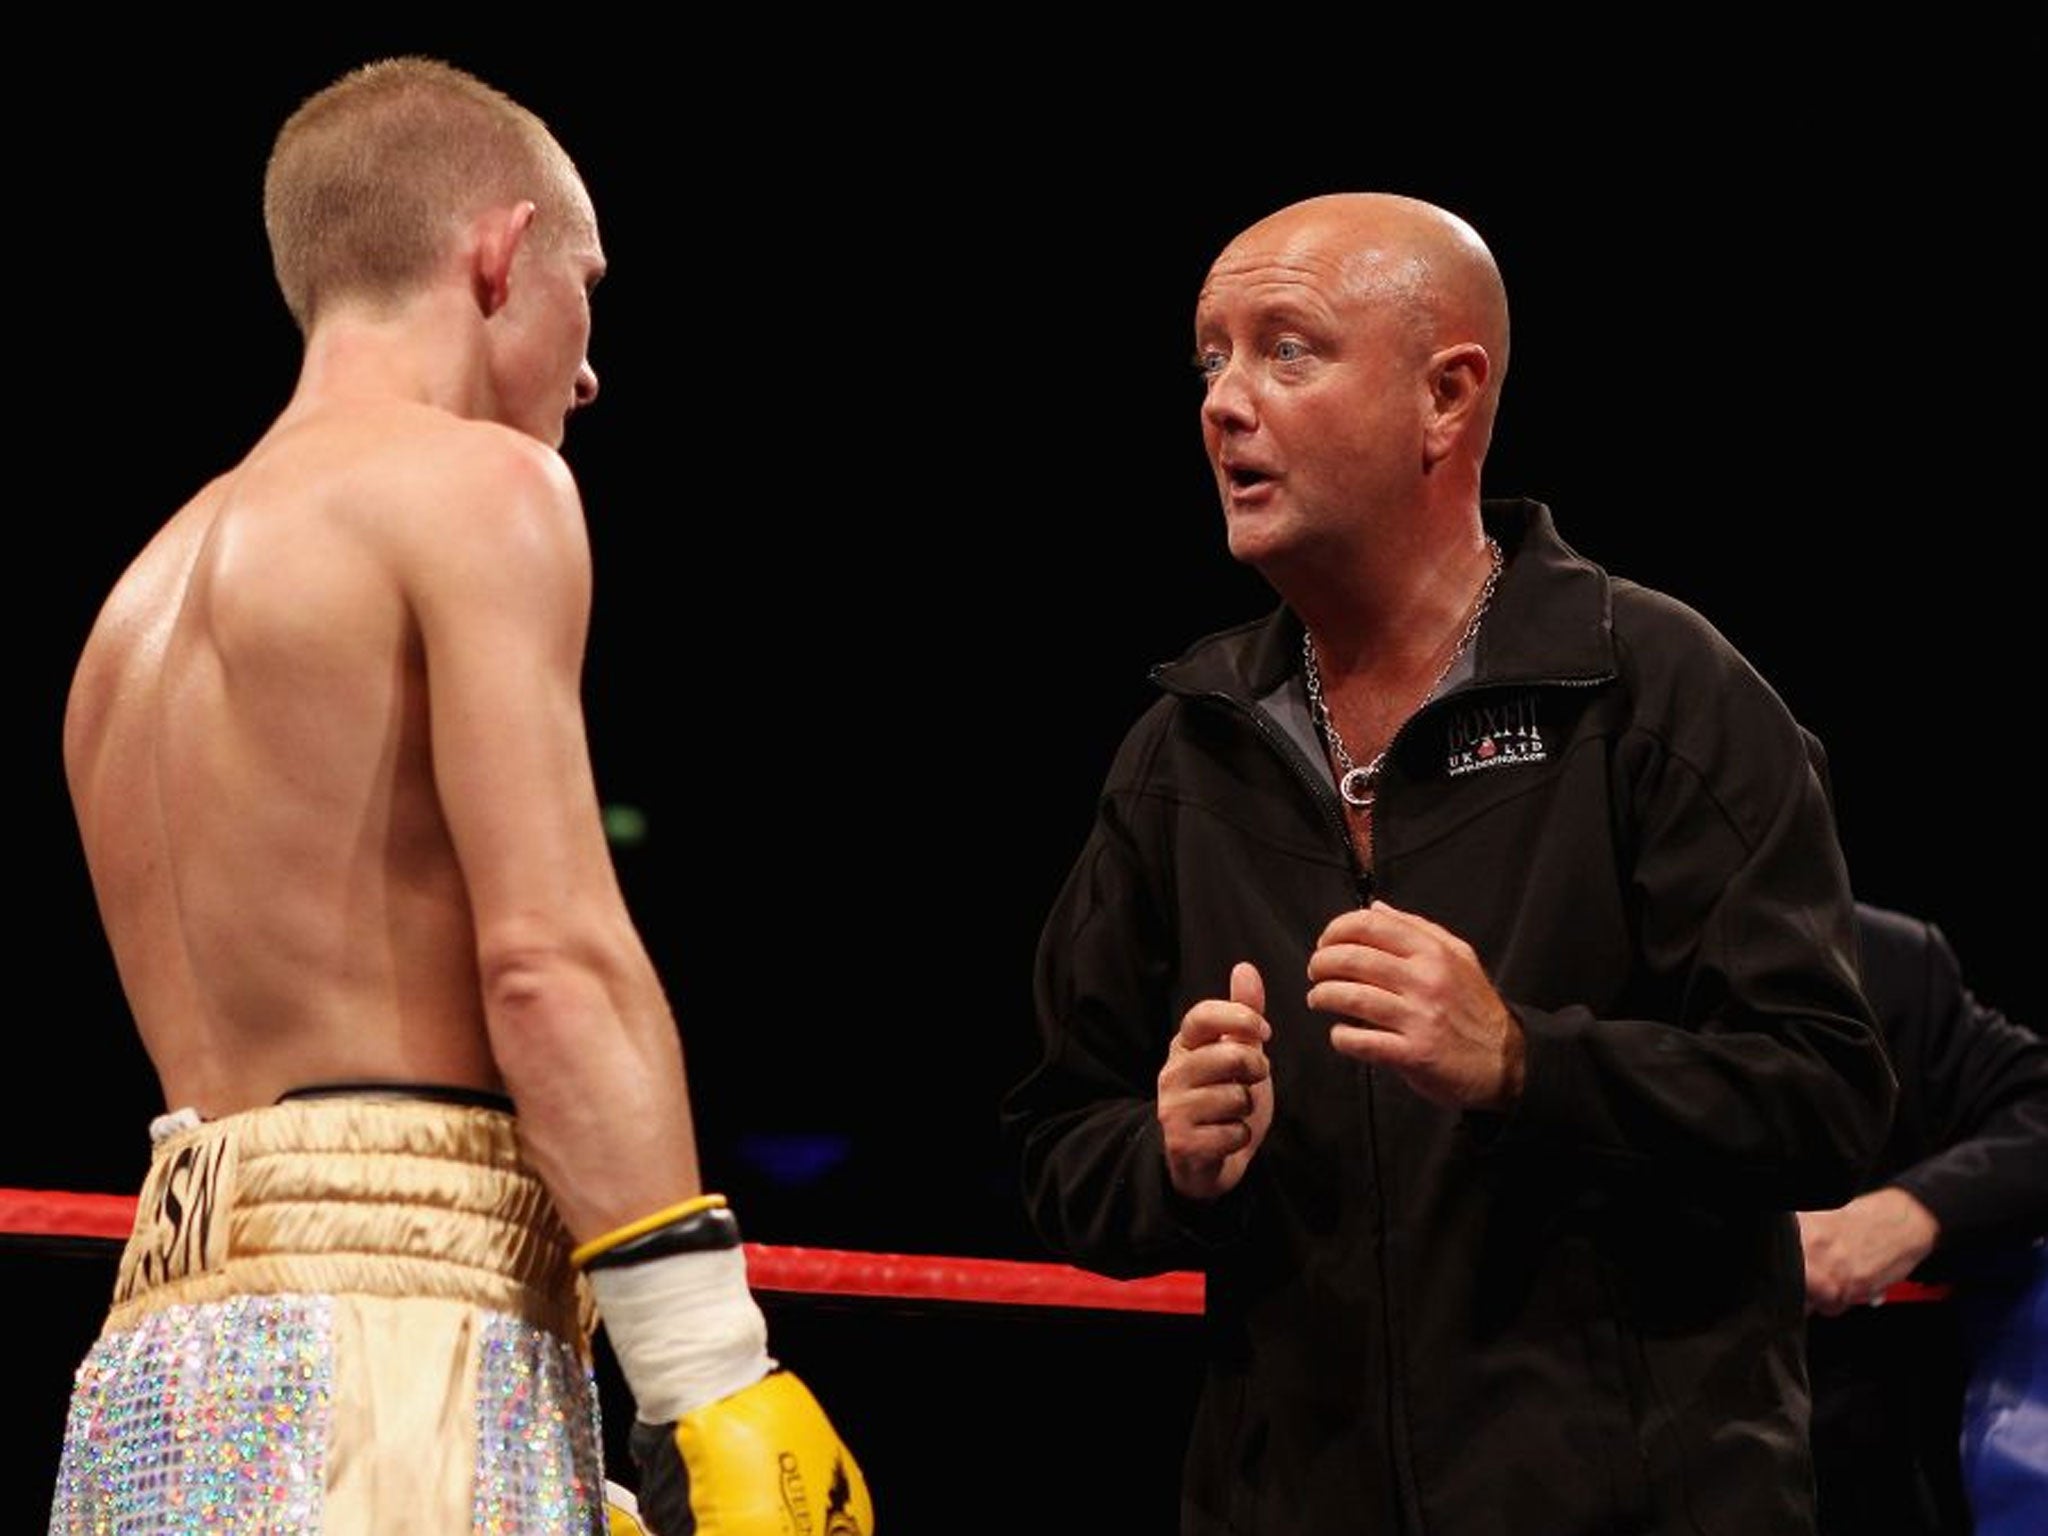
(371, 177)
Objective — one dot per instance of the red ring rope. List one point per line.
(56, 1214)
(899, 1276)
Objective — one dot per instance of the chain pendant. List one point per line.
(1356, 788)
(1356, 784)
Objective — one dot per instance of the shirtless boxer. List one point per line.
(426, 1119)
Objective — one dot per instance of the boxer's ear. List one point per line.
(495, 239)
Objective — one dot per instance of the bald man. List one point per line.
(1460, 970)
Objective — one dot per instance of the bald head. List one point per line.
(1425, 263)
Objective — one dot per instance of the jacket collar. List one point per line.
(1552, 621)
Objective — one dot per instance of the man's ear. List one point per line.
(1457, 384)
(499, 233)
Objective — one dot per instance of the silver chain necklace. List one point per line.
(1358, 785)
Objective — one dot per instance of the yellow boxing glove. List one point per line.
(763, 1462)
(622, 1512)
(727, 1442)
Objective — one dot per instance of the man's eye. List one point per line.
(1289, 351)
(1208, 363)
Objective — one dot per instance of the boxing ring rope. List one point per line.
(59, 1217)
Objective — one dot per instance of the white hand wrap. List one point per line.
(685, 1328)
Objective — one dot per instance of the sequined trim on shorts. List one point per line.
(217, 1419)
(201, 1420)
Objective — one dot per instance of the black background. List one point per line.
(895, 489)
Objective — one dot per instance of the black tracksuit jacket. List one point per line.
(1580, 1318)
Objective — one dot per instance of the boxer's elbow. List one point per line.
(549, 994)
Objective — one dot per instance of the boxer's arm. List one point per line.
(495, 564)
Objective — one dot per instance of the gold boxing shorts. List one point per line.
(352, 1315)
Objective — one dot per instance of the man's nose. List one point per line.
(1227, 397)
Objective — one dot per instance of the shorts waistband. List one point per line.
(361, 1191)
(424, 1093)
